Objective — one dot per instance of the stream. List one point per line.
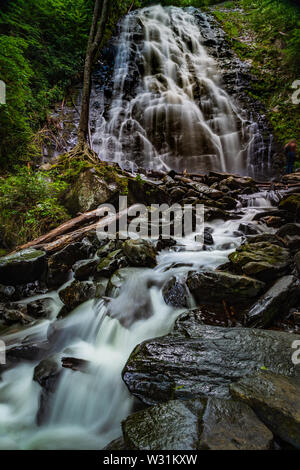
(173, 114)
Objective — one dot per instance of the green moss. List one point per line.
(266, 33)
(291, 204)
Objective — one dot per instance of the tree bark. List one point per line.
(100, 17)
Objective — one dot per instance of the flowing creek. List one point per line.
(177, 98)
(88, 407)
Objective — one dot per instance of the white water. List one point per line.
(88, 407)
(168, 108)
(178, 117)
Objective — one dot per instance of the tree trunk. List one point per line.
(100, 17)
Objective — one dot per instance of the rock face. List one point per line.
(212, 424)
(89, 192)
(75, 294)
(215, 286)
(200, 360)
(282, 296)
(276, 400)
(23, 267)
(262, 260)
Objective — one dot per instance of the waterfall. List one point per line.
(168, 109)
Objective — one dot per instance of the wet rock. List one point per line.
(10, 314)
(273, 221)
(290, 233)
(262, 260)
(145, 192)
(88, 193)
(60, 264)
(229, 425)
(6, 293)
(248, 229)
(163, 244)
(140, 253)
(117, 280)
(101, 286)
(212, 424)
(176, 293)
(291, 204)
(275, 399)
(113, 261)
(197, 360)
(168, 426)
(265, 237)
(208, 238)
(75, 294)
(83, 269)
(297, 262)
(47, 373)
(216, 286)
(212, 213)
(283, 214)
(22, 267)
(280, 298)
(205, 190)
(40, 308)
(117, 444)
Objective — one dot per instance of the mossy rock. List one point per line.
(291, 204)
(263, 260)
(22, 267)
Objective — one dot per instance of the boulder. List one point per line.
(278, 300)
(176, 293)
(290, 234)
(212, 424)
(23, 267)
(262, 260)
(197, 360)
(88, 193)
(216, 286)
(275, 399)
(140, 253)
(75, 294)
(291, 204)
(83, 269)
(60, 263)
(113, 261)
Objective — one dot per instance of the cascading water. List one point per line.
(168, 109)
(176, 115)
(87, 407)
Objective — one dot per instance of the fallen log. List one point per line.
(64, 228)
(63, 240)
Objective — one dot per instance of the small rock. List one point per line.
(75, 294)
(176, 293)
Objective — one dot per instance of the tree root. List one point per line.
(82, 151)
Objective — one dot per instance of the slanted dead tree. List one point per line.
(97, 30)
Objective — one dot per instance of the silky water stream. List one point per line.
(87, 407)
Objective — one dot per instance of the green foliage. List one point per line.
(266, 32)
(41, 49)
(29, 205)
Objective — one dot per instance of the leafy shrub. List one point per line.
(29, 206)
